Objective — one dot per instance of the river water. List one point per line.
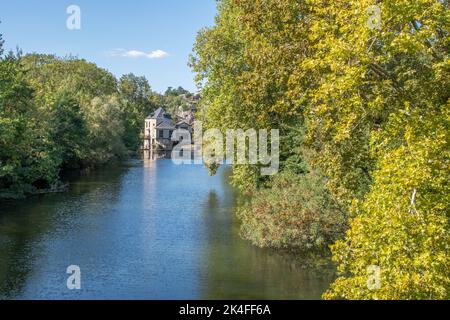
(143, 230)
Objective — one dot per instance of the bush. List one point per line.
(296, 213)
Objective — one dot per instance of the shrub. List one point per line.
(296, 213)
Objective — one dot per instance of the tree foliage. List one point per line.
(25, 152)
(370, 106)
(138, 100)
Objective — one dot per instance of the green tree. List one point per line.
(26, 159)
(104, 117)
(65, 89)
(138, 102)
(55, 113)
(69, 131)
(1, 44)
(244, 64)
(377, 120)
(403, 225)
(175, 92)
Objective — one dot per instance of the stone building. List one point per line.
(158, 130)
(159, 127)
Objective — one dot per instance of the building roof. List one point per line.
(159, 113)
(180, 122)
(185, 116)
(163, 119)
(164, 123)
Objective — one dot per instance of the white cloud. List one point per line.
(156, 54)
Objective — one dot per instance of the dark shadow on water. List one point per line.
(237, 270)
(25, 224)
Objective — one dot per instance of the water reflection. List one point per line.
(235, 269)
(27, 227)
(147, 230)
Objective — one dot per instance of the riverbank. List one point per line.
(62, 184)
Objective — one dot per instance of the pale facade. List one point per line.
(158, 130)
(159, 127)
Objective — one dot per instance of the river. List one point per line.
(143, 230)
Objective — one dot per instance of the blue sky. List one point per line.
(147, 37)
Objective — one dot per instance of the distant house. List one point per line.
(159, 127)
(185, 120)
(158, 130)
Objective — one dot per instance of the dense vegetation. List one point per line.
(363, 113)
(59, 114)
